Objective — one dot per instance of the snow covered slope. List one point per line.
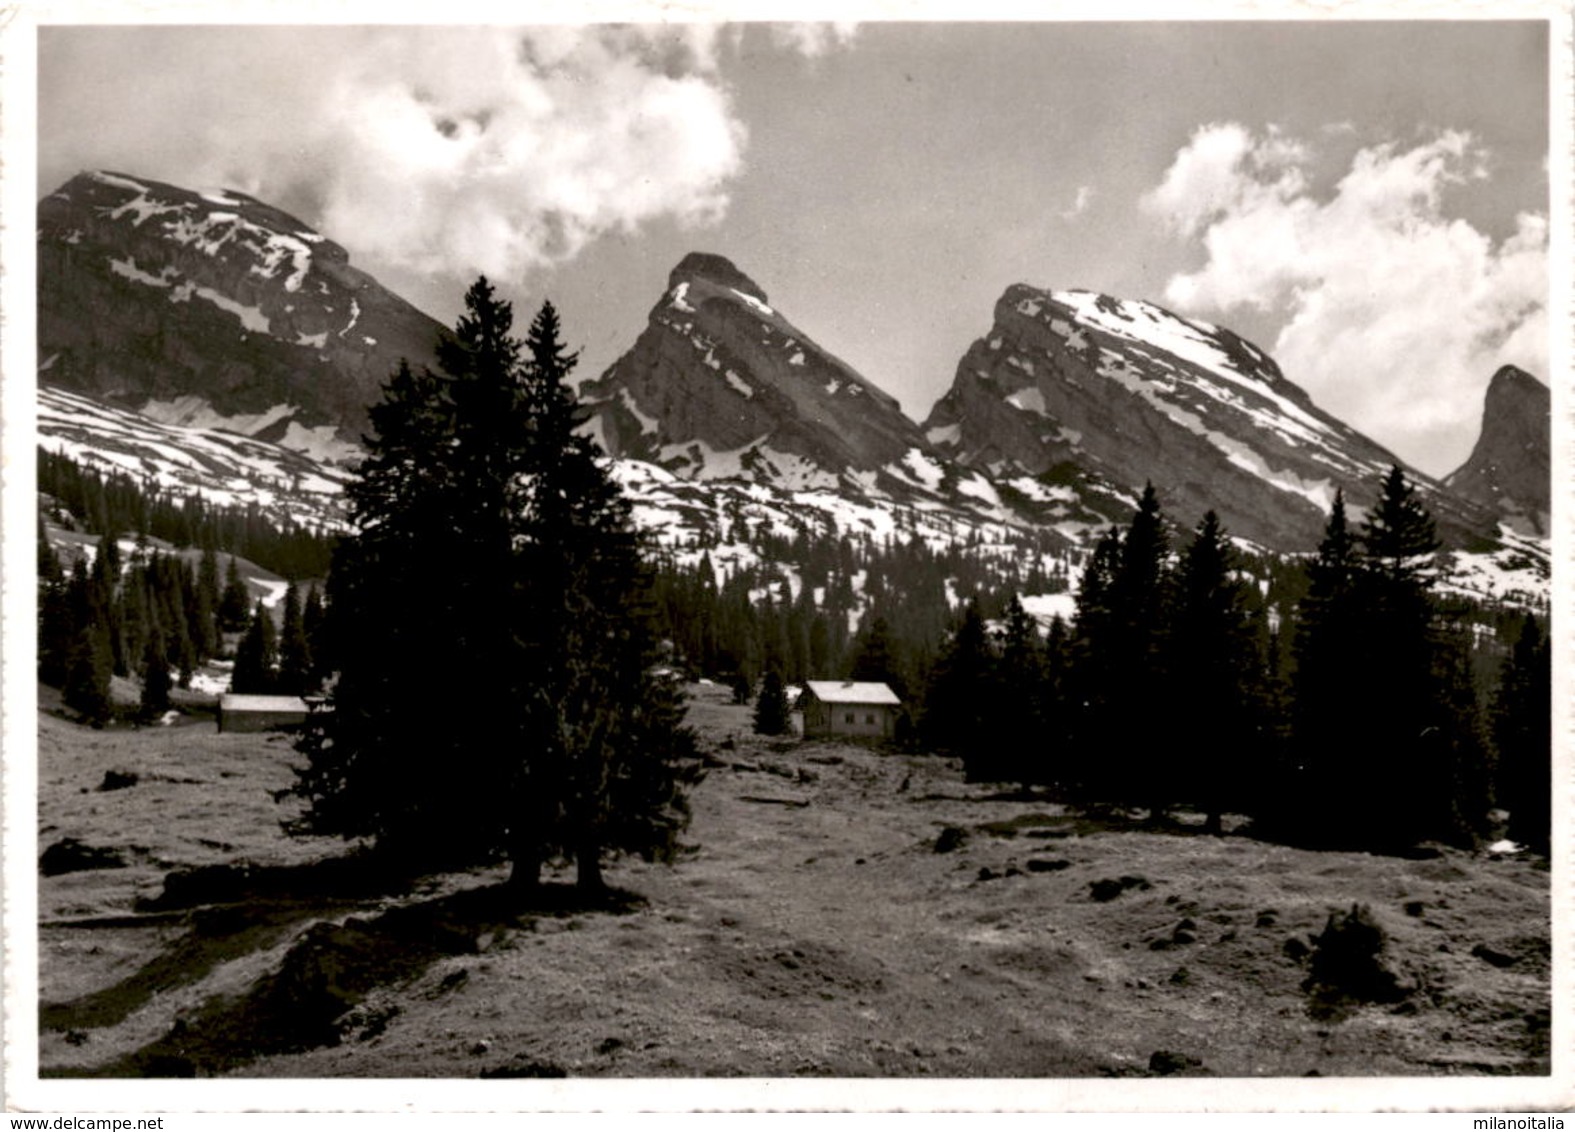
(1132, 392)
(214, 309)
(222, 467)
(721, 387)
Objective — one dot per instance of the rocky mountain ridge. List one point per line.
(1135, 393)
(171, 321)
(214, 309)
(1508, 470)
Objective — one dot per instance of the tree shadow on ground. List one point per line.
(328, 969)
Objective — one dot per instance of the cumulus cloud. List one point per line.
(446, 150)
(813, 39)
(1085, 195)
(1394, 314)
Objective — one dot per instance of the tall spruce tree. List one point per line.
(492, 626)
(1090, 680)
(86, 689)
(1216, 674)
(423, 750)
(771, 709)
(232, 611)
(295, 658)
(257, 656)
(611, 754)
(958, 710)
(155, 699)
(1139, 695)
(1019, 699)
(1523, 731)
(1410, 788)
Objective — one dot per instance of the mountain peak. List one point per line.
(1509, 470)
(1134, 392)
(712, 268)
(211, 308)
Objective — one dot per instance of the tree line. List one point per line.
(84, 498)
(800, 608)
(1374, 711)
(157, 615)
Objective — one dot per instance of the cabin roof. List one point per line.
(240, 701)
(851, 692)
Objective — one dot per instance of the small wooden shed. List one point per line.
(244, 712)
(848, 709)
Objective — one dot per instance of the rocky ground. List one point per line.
(841, 912)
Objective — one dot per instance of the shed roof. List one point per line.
(240, 701)
(851, 692)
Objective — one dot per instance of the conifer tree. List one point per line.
(155, 699)
(957, 711)
(56, 627)
(875, 657)
(232, 612)
(86, 688)
(1138, 695)
(257, 656)
(1086, 772)
(1523, 731)
(495, 569)
(1018, 699)
(771, 709)
(1215, 673)
(615, 765)
(1408, 791)
(314, 621)
(295, 659)
(204, 608)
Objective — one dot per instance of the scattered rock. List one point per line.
(987, 873)
(480, 1048)
(1414, 907)
(1048, 864)
(452, 979)
(950, 839)
(119, 780)
(1180, 977)
(1295, 950)
(1491, 955)
(609, 1045)
(1164, 1062)
(68, 855)
(1106, 890)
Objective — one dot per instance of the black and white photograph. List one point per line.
(964, 560)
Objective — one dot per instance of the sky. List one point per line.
(1366, 200)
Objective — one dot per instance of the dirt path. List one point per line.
(814, 930)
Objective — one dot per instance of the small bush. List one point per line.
(950, 839)
(118, 780)
(1347, 960)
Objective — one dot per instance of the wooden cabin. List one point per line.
(241, 712)
(848, 709)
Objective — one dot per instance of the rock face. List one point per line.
(720, 384)
(214, 310)
(1134, 393)
(1510, 469)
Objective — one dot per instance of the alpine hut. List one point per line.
(849, 709)
(243, 712)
